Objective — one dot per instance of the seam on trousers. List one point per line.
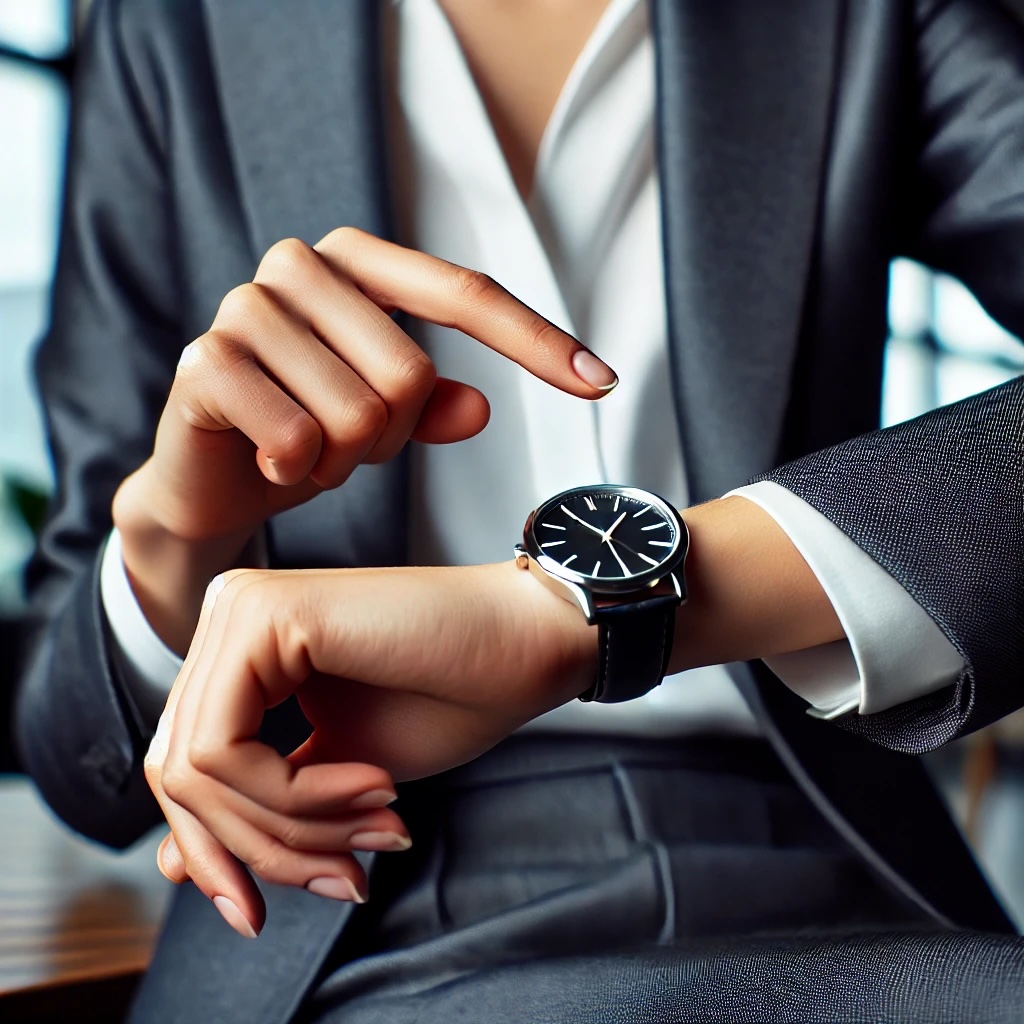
(660, 855)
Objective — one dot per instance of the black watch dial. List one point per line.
(608, 534)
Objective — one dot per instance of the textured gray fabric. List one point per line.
(949, 978)
(938, 502)
(556, 847)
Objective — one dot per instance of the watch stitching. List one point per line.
(603, 678)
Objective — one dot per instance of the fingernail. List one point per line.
(379, 842)
(372, 800)
(591, 370)
(336, 889)
(170, 861)
(234, 917)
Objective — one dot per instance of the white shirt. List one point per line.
(585, 251)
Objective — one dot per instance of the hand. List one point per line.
(607, 535)
(411, 670)
(302, 377)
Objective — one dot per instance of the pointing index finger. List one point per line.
(452, 296)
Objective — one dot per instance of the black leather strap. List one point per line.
(635, 641)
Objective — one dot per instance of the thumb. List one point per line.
(454, 412)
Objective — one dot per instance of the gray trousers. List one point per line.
(559, 878)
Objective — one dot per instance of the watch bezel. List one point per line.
(612, 585)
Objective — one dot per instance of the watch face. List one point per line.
(607, 535)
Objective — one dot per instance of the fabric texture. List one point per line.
(893, 651)
(940, 506)
(888, 978)
(555, 847)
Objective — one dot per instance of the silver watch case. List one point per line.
(591, 594)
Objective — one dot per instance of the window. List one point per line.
(35, 44)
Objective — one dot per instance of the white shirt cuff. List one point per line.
(893, 651)
(147, 666)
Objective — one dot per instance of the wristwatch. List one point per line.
(618, 553)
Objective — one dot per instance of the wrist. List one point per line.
(168, 572)
(550, 633)
(750, 594)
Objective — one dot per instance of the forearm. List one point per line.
(168, 573)
(750, 594)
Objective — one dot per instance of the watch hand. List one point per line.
(607, 533)
(582, 522)
(625, 569)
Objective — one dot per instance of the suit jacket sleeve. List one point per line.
(939, 502)
(103, 371)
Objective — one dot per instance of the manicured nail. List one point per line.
(336, 889)
(379, 842)
(372, 800)
(591, 370)
(234, 917)
(170, 861)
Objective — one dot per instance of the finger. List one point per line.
(454, 412)
(356, 373)
(443, 293)
(170, 861)
(215, 872)
(226, 748)
(190, 851)
(212, 839)
(220, 386)
(379, 829)
(343, 830)
(364, 338)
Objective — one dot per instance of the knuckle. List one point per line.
(204, 756)
(343, 239)
(176, 780)
(366, 416)
(473, 288)
(196, 359)
(213, 357)
(299, 436)
(285, 260)
(242, 306)
(269, 862)
(224, 586)
(293, 834)
(415, 376)
(545, 335)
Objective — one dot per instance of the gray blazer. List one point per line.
(803, 144)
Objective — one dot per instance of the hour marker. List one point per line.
(656, 526)
(615, 507)
(597, 566)
(552, 543)
(660, 543)
(646, 508)
(569, 559)
(589, 503)
(649, 561)
(551, 526)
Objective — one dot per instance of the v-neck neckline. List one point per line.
(569, 96)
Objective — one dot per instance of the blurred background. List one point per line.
(942, 348)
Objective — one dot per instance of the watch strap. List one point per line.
(634, 646)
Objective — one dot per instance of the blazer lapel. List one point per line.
(309, 145)
(744, 92)
(309, 150)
